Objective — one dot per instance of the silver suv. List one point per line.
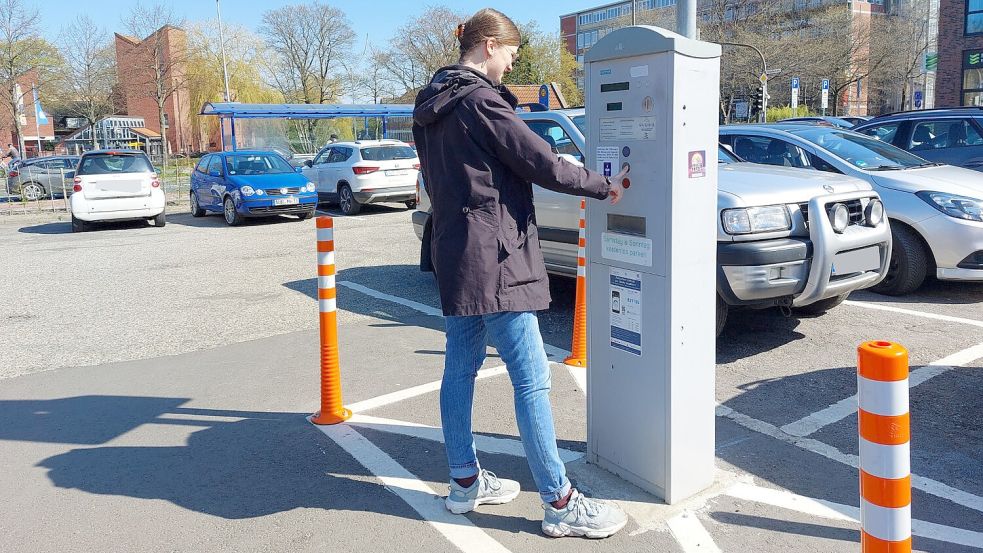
(785, 238)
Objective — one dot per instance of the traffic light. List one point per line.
(759, 99)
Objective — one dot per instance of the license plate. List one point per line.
(857, 261)
(397, 172)
(286, 201)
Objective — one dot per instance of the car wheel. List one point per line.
(349, 205)
(232, 217)
(410, 204)
(32, 191)
(78, 225)
(908, 266)
(722, 310)
(159, 220)
(196, 210)
(822, 306)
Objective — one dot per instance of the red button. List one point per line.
(626, 183)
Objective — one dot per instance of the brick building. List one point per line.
(28, 124)
(959, 81)
(134, 61)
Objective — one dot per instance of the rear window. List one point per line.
(387, 153)
(109, 164)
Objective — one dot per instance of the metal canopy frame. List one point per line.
(237, 110)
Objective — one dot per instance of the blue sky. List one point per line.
(376, 18)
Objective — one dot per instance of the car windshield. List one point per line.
(387, 153)
(581, 122)
(723, 156)
(111, 163)
(257, 164)
(861, 151)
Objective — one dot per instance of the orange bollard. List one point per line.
(578, 347)
(885, 453)
(332, 411)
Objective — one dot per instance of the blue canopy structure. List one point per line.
(237, 110)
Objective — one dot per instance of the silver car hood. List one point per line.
(756, 184)
(944, 178)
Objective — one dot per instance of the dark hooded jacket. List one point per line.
(478, 160)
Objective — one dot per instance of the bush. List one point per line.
(785, 112)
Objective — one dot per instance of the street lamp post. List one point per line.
(221, 38)
(763, 116)
(686, 18)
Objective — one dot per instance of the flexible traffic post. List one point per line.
(578, 347)
(332, 411)
(885, 453)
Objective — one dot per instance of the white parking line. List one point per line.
(425, 309)
(836, 511)
(415, 391)
(927, 485)
(842, 409)
(947, 318)
(690, 533)
(460, 531)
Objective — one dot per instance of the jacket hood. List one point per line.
(448, 87)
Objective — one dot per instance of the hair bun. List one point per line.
(459, 32)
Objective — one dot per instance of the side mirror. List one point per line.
(215, 173)
(309, 163)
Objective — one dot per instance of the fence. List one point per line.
(38, 188)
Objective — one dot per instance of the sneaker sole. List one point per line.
(459, 508)
(562, 530)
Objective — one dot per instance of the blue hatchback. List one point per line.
(250, 183)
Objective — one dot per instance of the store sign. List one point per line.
(972, 59)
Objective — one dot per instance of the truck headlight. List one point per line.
(247, 190)
(874, 213)
(952, 205)
(839, 216)
(751, 220)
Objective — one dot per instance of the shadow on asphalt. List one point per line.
(61, 227)
(65, 227)
(216, 220)
(933, 291)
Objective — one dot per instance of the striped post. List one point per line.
(578, 348)
(885, 457)
(332, 411)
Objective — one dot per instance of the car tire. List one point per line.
(411, 204)
(160, 219)
(346, 200)
(32, 191)
(908, 266)
(196, 210)
(822, 306)
(232, 216)
(722, 310)
(78, 225)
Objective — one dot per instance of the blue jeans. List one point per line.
(519, 343)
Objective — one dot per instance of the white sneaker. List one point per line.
(583, 516)
(488, 489)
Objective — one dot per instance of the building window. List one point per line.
(972, 89)
(974, 17)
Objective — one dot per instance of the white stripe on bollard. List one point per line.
(327, 306)
(886, 523)
(884, 398)
(885, 461)
(325, 258)
(324, 234)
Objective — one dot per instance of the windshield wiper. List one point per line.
(929, 164)
(886, 168)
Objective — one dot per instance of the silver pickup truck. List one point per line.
(785, 237)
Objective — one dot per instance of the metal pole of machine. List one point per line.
(221, 38)
(686, 18)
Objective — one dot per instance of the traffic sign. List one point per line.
(795, 83)
(763, 78)
(795, 93)
(825, 95)
(918, 99)
(544, 96)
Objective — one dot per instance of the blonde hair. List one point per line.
(483, 25)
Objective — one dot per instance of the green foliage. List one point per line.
(542, 59)
(785, 112)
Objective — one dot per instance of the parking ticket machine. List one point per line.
(652, 102)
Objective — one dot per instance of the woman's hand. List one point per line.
(617, 189)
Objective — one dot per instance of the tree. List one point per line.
(542, 58)
(90, 75)
(163, 57)
(421, 47)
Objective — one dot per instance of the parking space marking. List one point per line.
(337, 214)
(690, 533)
(425, 309)
(927, 485)
(842, 409)
(486, 444)
(827, 509)
(415, 391)
(418, 494)
(947, 318)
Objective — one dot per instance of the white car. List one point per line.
(365, 172)
(116, 185)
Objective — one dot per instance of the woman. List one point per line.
(478, 159)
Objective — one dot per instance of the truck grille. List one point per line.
(855, 207)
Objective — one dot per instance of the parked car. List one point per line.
(115, 185)
(37, 178)
(936, 211)
(952, 136)
(250, 183)
(821, 120)
(365, 172)
(855, 119)
(784, 238)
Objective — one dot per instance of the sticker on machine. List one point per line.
(626, 310)
(626, 248)
(620, 129)
(607, 160)
(698, 164)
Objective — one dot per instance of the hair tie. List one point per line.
(459, 32)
